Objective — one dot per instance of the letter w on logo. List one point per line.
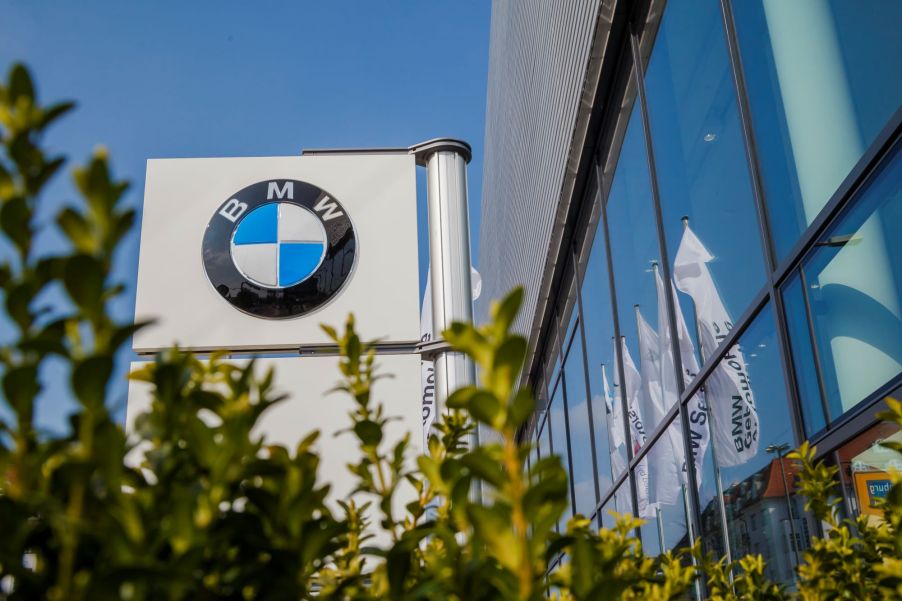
(328, 208)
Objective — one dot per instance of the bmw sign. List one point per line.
(279, 248)
(255, 253)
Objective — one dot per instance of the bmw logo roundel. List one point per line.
(279, 248)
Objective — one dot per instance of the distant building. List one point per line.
(703, 200)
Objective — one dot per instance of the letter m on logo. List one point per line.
(274, 191)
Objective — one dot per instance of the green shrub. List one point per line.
(212, 511)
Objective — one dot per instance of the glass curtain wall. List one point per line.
(715, 300)
(822, 79)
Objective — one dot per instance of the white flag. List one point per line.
(730, 401)
(632, 388)
(615, 414)
(699, 433)
(427, 368)
(667, 467)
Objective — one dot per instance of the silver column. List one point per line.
(446, 161)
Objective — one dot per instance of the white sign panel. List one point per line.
(255, 253)
(311, 406)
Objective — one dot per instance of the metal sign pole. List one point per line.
(446, 161)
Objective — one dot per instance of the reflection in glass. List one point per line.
(865, 466)
(598, 325)
(821, 77)
(700, 158)
(559, 438)
(583, 474)
(552, 356)
(619, 503)
(758, 505)
(544, 445)
(853, 280)
(803, 356)
(635, 252)
(667, 509)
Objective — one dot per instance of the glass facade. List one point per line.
(821, 88)
(732, 285)
(849, 290)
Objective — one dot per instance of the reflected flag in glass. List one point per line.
(632, 387)
(697, 411)
(668, 466)
(731, 403)
(615, 413)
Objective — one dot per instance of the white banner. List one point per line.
(728, 390)
(615, 413)
(632, 389)
(699, 433)
(667, 466)
(427, 367)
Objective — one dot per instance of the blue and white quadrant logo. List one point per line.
(278, 245)
(279, 248)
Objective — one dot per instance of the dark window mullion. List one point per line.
(815, 349)
(585, 360)
(562, 383)
(601, 197)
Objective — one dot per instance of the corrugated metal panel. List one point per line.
(537, 69)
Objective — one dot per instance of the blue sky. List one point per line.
(201, 79)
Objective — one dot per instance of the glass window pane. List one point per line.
(620, 502)
(558, 427)
(635, 256)
(865, 469)
(598, 325)
(822, 84)
(757, 502)
(854, 286)
(544, 439)
(803, 356)
(552, 357)
(707, 206)
(580, 430)
(663, 497)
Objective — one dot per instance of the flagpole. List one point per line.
(660, 528)
(718, 484)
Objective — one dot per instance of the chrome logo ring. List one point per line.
(279, 249)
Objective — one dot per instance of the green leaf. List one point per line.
(122, 334)
(78, 230)
(54, 112)
(89, 380)
(369, 432)
(493, 526)
(7, 187)
(18, 301)
(83, 278)
(20, 85)
(507, 364)
(15, 221)
(330, 332)
(486, 465)
(20, 387)
(480, 403)
(503, 313)
(521, 408)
